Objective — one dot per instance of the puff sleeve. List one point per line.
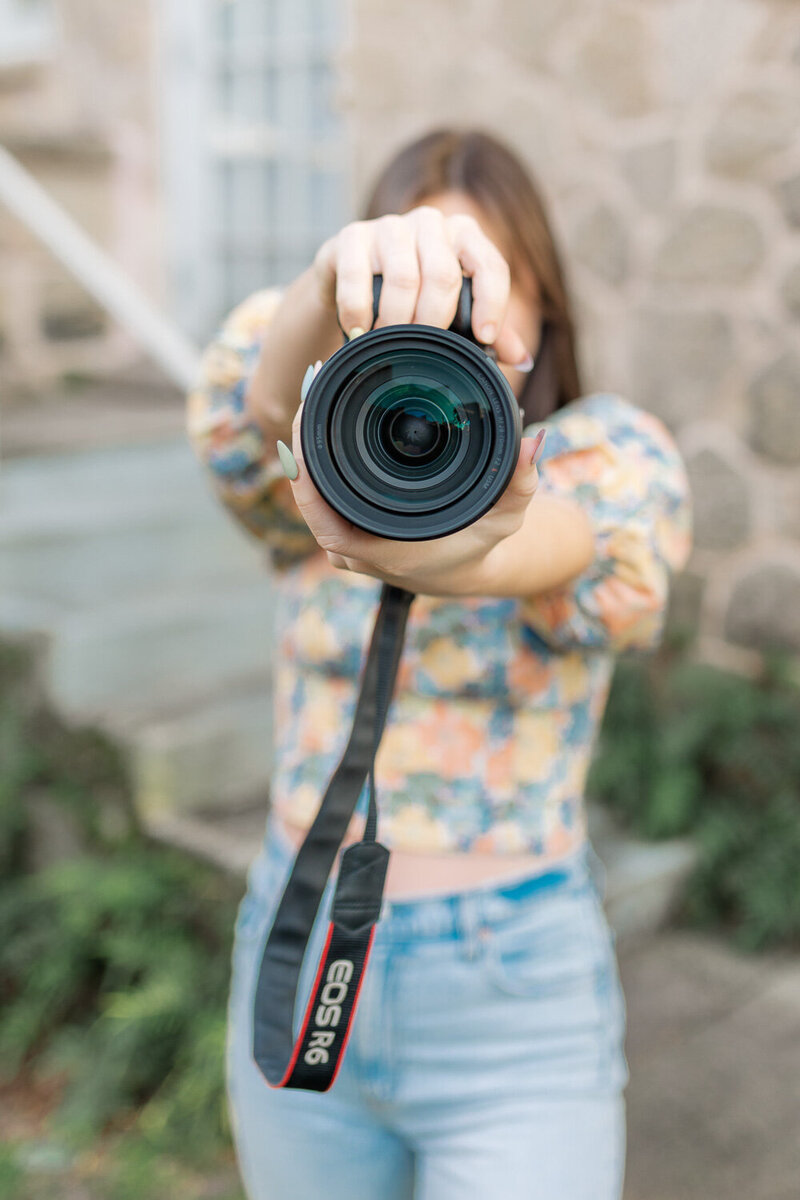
(245, 472)
(622, 466)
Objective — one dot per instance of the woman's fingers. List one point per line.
(353, 268)
(440, 270)
(422, 256)
(491, 285)
(395, 257)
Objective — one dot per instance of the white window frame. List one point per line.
(195, 144)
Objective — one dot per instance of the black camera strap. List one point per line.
(314, 1059)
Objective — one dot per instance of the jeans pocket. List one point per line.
(549, 949)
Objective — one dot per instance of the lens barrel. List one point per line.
(410, 432)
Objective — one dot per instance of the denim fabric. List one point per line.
(486, 1058)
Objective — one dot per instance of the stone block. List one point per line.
(526, 31)
(775, 410)
(790, 290)
(750, 128)
(721, 502)
(679, 360)
(600, 242)
(685, 603)
(613, 64)
(650, 172)
(789, 199)
(67, 312)
(764, 609)
(710, 244)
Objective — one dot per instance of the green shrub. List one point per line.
(114, 957)
(689, 749)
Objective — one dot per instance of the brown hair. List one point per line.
(495, 178)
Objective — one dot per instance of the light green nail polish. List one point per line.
(306, 384)
(288, 461)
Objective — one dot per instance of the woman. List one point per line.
(486, 1058)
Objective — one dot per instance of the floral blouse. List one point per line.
(498, 701)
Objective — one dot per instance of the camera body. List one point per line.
(411, 432)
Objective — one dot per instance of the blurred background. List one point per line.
(158, 162)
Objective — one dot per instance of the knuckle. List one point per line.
(332, 544)
(428, 214)
(464, 223)
(443, 275)
(392, 225)
(401, 273)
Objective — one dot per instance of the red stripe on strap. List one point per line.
(309, 1010)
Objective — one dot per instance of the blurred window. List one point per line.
(27, 31)
(257, 161)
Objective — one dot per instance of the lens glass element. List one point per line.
(411, 430)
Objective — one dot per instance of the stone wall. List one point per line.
(83, 124)
(665, 135)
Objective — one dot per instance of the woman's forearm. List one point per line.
(302, 330)
(554, 544)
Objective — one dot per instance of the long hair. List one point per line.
(494, 177)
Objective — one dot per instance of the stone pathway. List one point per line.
(714, 1053)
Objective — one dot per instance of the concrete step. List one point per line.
(218, 755)
(228, 841)
(125, 664)
(642, 879)
(124, 555)
(87, 529)
(84, 484)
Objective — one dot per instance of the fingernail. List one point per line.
(525, 365)
(288, 461)
(488, 333)
(355, 332)
(538, 446)
(306, 384)
(317, 366)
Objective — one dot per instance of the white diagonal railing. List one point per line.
(97, 272)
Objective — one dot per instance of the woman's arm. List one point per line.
(589, 555)
(469, 562)
(302, 330)
(553, 545)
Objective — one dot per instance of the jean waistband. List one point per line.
(450, 913)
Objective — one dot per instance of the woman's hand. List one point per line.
(422, 256)
(459, 564)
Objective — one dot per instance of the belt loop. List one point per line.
(598, 872)
(468, 921)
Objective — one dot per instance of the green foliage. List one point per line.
(114, 955)
(689, 749)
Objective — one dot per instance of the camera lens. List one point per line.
(410, 432)
(415, 432)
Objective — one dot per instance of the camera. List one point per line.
(411, 432)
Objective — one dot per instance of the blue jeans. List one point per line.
(486, 1058)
